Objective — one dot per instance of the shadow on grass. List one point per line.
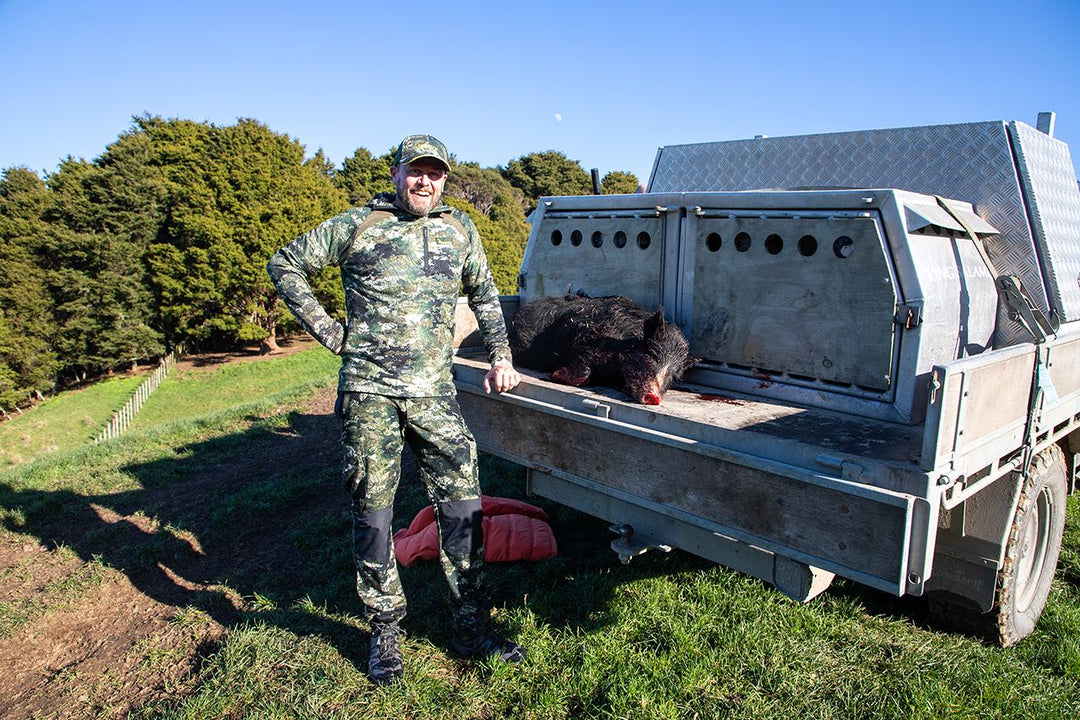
(255, 527)
(230, 525)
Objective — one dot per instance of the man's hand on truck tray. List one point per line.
(502, 376)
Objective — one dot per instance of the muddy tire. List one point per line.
(1031, 554)
(1032, 549)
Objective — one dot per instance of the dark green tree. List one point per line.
(505, 231)
(238, 193)
(503, 252)
(322, 163)
(546, 173)
(11, 387)
(618, 182)
(363, 176)
(28, 362)
(484, 188)
(103, 216)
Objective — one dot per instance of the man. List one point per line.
(403, 257)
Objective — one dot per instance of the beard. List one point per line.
(415, 204)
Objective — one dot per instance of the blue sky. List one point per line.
(607, 83)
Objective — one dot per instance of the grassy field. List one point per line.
(203, 560)
(193, 392)
(67, 420)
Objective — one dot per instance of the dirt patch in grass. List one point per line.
(112, 650)
(164, 569)
(286, 346)
(27, 568)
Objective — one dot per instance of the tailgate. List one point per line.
(722, 464)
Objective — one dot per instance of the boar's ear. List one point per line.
(654, 323)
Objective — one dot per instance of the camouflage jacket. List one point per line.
(401, 275)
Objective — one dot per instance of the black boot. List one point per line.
(384, 664)
(479, 640)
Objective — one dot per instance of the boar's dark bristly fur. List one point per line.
(604, 341)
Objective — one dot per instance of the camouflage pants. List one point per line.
(374, 428)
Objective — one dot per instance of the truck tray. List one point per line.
(836, 492)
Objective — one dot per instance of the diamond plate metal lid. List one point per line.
(969, 161)
(1049, 182)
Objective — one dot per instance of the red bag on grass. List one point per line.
(513, 530)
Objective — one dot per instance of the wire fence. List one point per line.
(122, 418)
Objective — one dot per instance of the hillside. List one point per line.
(199, 567)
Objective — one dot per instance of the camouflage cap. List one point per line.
(415, 147)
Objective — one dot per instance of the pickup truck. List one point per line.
(888, 328)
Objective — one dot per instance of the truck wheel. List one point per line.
(1031, 552)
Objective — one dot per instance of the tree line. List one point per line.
(162, 241)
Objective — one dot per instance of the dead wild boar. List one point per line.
(603, 341)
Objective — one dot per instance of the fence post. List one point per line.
(123, 417)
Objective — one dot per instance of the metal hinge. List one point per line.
(851, 471)
(935, 385)
(599, 409)
(910, 315)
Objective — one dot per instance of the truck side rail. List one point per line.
(990, 413)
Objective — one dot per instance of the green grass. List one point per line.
(74, 418)
(198, 392)
(667, 636)
(69, 419)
